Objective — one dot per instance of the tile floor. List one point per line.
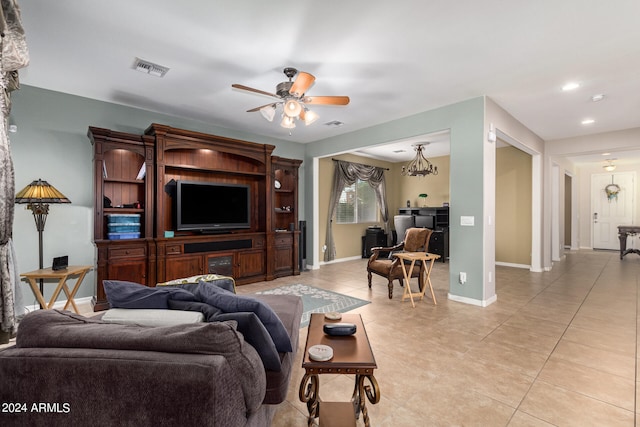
(557, 348)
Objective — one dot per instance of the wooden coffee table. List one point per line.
(351, 355)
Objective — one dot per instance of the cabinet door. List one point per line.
(132, 270)
(284, 259)
(251, 263)
(221, 264)
(185, 266)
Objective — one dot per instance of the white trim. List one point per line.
(472, 301)
(59, 304)
(555, 212)
(352, 258)
(510, 264)
(537, 173)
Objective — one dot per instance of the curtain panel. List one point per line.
(13, 56)
(344, 174)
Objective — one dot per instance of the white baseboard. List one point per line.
(472, 301)
(59, 304)
(510, 264)
(341, 260)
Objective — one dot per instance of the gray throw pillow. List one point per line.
(255, 334)
(232, 303)
(207, 310)
(122, 294)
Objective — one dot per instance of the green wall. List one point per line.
(465, 121)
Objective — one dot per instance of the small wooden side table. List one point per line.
(352, 355)
(61, 276)
(428, 260)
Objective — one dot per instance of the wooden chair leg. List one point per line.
(390, 286)
(369, 277)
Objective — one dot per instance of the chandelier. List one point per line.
(419, 166)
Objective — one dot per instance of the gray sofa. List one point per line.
(66, 369)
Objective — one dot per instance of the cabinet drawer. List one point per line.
(127, 252)
(174, 249)
(284, 240)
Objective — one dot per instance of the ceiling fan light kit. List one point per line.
(291, 95)
(419, 166)
(268, 112)
(292, 108)
(610, 167)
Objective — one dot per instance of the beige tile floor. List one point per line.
(557, 348)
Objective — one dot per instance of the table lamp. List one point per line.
(38, 195)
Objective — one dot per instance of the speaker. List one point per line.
(302, 246)
(191, 248)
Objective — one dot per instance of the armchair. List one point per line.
(415, 240)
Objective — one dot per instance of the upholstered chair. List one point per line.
(383, 263)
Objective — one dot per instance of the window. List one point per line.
(357, 204)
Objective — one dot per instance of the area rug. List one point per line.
(316, 300)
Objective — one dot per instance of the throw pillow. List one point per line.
(257, 335)
(122, 294)
(232, 303)
(208, 311)
(151, 317)
(225, 282)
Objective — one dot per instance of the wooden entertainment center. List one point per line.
(266, 250)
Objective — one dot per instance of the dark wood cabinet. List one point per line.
(285, 216)
(123, 183)
(136, 175)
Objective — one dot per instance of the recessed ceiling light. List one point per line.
(606, 154)
(588, 121)
(570, 86)
(598, 97)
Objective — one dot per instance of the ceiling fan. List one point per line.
(291, 95)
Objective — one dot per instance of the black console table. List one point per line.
(623, 232)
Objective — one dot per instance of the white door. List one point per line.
(612, 204)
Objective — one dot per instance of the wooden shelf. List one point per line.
(123, 210)
(124, 181)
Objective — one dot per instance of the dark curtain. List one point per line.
(13, 56)
(346, 173)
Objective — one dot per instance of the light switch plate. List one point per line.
(467, 220)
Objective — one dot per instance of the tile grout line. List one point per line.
(559, 339)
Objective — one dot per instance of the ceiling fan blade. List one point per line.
(250, 89)
(302, 83)
(326, 100)
(262, 106)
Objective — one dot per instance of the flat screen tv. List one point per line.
(207, 206)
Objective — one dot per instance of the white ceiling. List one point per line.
(392, 59)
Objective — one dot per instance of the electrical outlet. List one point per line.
(463, 278)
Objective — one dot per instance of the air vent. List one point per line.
(149, 68)
(334, 124)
